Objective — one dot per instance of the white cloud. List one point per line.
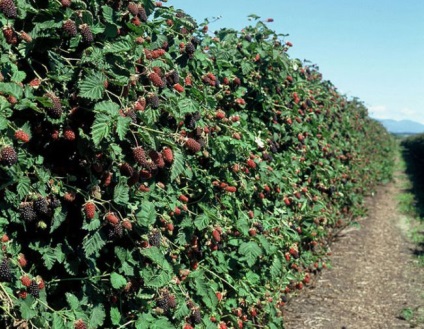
(385, 112)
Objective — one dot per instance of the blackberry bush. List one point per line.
(155, 175)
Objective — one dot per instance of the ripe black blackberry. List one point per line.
(172, 78)
(153, 101)
(142, 14)
(55, 111)
(70, 28)
(86, 33)
(196, 316)
(190, 49)
(162, 302)
(154, 238)
(5, 274)
(116, 231)
(195, 41)
(54, 202)
(41, 206)
(126, 169)
(34, 289)
(139, 155)
(8, 156)
(8, 8)
(259, 227)
(27, 211)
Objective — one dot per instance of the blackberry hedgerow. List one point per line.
(8, 8)
(154, 238)
(70, 28)
(27, 211)
(8, 156)
(34, 289)
(41, 206)
(86, 33)
(5, 274)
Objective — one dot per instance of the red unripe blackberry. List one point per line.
(22, 294)
(10, 36)
(8, 8)
(22, 136)
(111, 218)
(216, 235)
(126, 224)
(183, 198)
(5, 274)
(69, 196)
(26, 37)
(55, 111)
(41, 283)
(26, 281)
(65, 3)
(220, 114)
(231, 189)
(154, 238)
(80, 324)
(237, 81)
(157, 158)
(251, 164)
(139, 155)
(70, 28)
(4, 238)
(86, 33)
(136, 21)
(90, 210)
(167, 155)
(69, 134)
(22, 260)
(8, 156)
(156, 80)
(193, 145)
(35, 83)
(177, 87)
(133, 8)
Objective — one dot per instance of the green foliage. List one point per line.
(157, 162)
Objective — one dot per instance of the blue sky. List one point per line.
(370, 49)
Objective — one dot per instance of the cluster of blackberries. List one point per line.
(154, 238)
(8, 156)
(5, 274)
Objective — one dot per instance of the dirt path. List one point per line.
(373, 276)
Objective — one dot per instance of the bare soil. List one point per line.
(373, 277)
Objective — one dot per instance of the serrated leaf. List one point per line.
(202, 221)
(109, 15)
(122, 46)
(27, 312)
(92, 225)
(122, 127)
(121, 192)
(92, 244)
(147, 214)
(92, 86)
(156, 278)
(187, 106)
(108, 107)
(100, 128)
(23, 187)
(97, 316)
(251, 251)
(58, 322)
(155, 255)
(117, 280)
(115, 316)
(72, 300)
(177, 165)
(49, 258)
(58, 218)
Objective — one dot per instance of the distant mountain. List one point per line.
(402, 126)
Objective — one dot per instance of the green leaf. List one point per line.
(27, 312)
(251, 251)
(187, 106)
(122, 126)
(147, 215)
(155, 255)
(109, 15)
(58, 322)
(72, 300)
(177, 165)
(115, 316)
(108, 107)
(122, 46)
(117, 280)
(11, 88)
(23, 187)
(100, 128)
(92, 244)
(97, 316)
(202, 221)
(92, 86)
(121, 192)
